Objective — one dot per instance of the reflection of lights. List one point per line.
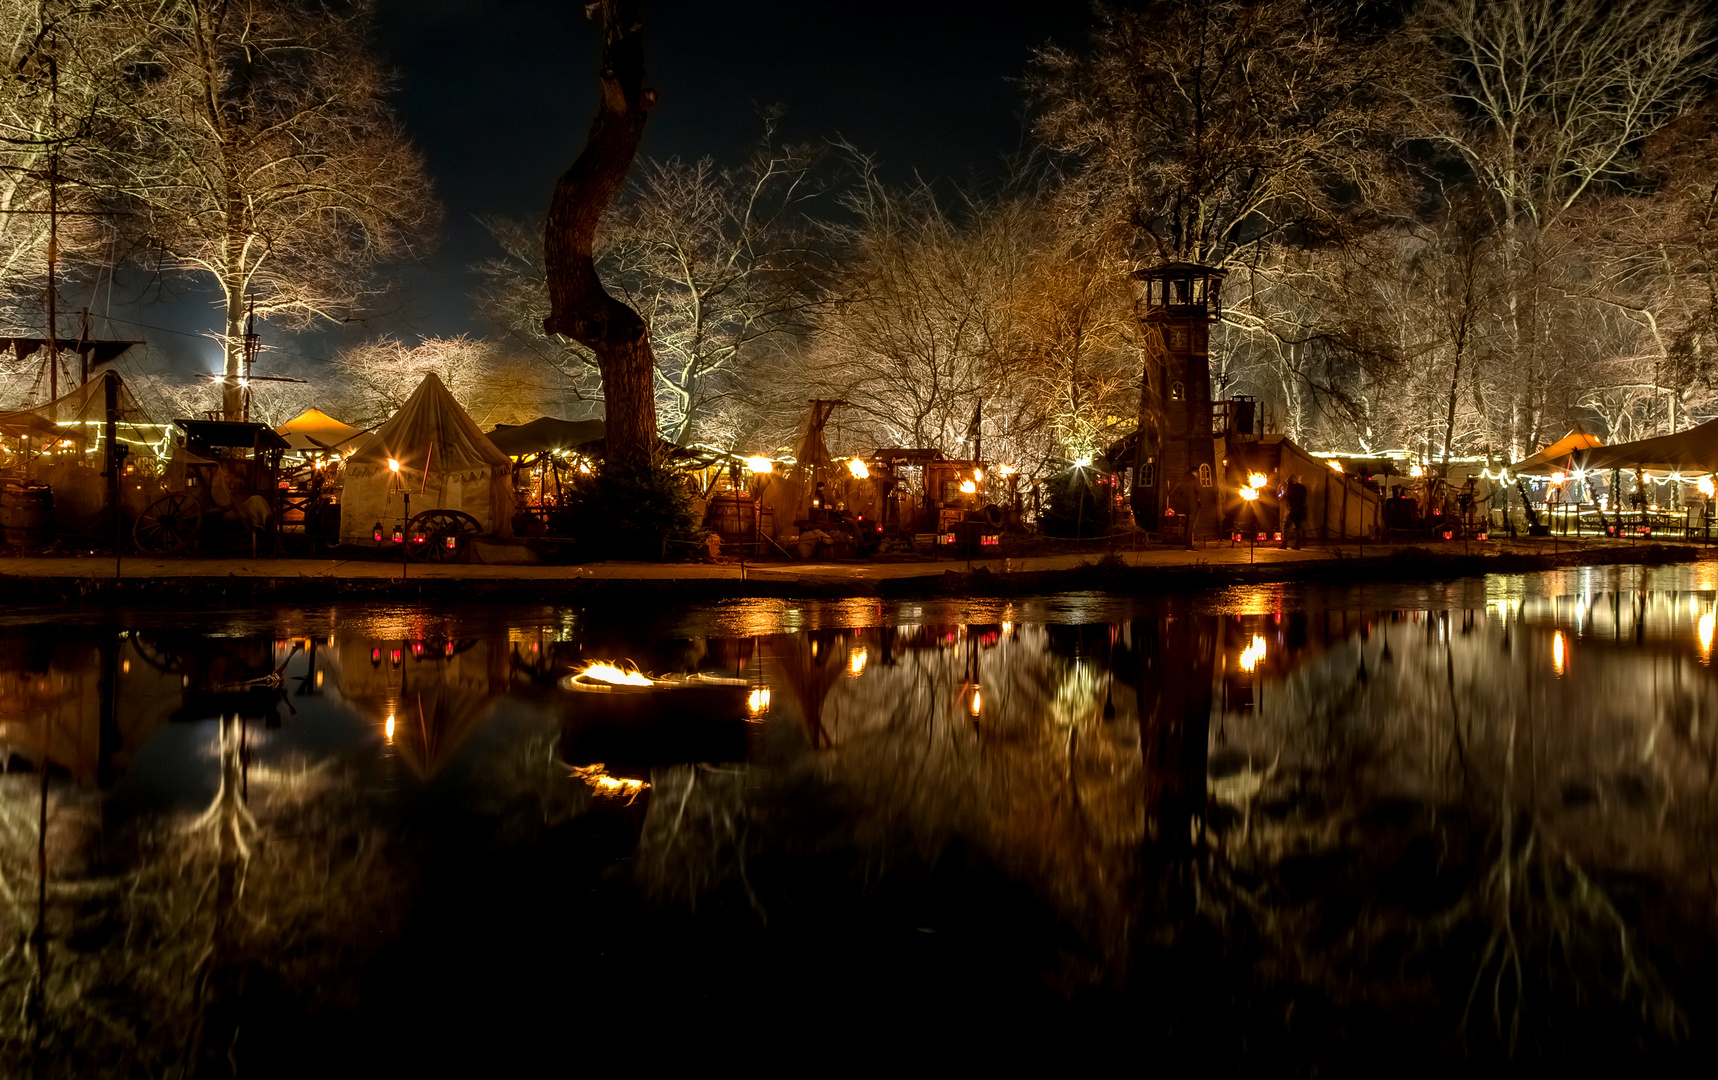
(1256, 480)
(977, 701)
(760, 465)
(319, 678)
(859, 469)
(1705, 632)
(605, 672)
(1557, 652)
(758, 701)
(967, 487)
(389, 729)
(603, 784)
(1252, 654)
(856, 660)
(1007, 626)
(125, 667)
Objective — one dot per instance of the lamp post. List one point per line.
(1251, 494)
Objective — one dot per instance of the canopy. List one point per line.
(444, 462)
(544, 434)
(1692, 453)
(1555, 458)
(314, 429)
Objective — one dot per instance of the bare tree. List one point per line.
(265, 159)
(579, 307)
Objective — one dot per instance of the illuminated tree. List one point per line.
(264, 158)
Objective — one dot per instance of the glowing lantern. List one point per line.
(393, 466)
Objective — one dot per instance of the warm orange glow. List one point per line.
(859, 469)
(978, 474)
(760, 465)
(613, 786)
(1252, 654)
(1558, 478)
(125, 667)
(319, 678)
(388, 729)
(1706, 488)
(604, 672)
(1704, 630)
(1415, 470)
(1335, 466)
(856, 660)
(1005, 470)
(977, 701)
(758, 701)
(1257, 480)
(393, 466)
(1558, 657)
(1249, 494)
(967, 487)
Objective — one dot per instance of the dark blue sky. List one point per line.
(498, 94)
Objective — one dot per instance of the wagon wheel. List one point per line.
(168, 524)
(445, 535)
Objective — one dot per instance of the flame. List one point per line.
(393, 466)
(856, 660)
(1558, 657)
(1558, 478)
(614, 675)
(758, 701)
(1252, 654)
(967, 487)
(1706, 488)
(603, 784)
(1005, 470)
(1415, 470)
(760, 464)
(978, 474)
(1257, 480)
(1335, 466)
(859, 469)
(1249, 494)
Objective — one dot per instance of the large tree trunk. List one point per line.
(579, 306)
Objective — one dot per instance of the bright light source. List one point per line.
(1335, 466)
(389, 729)
(1252, 654)
(605, 672)
(977, 701)
(1415, 470)
(967, 487)
(856, 660)
(1005, 470)
(760, 465)
(859, 469)
(1083, 461)
(1558, 657)
(978, 474)
(1706, 488)
(1558, 478)
(393, 466)
(1249, 494)
(758, 701)
(1257, 480)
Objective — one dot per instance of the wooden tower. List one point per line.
(1175, 474)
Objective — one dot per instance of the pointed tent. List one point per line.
(446, 462)
(314, 429)
(1555, 458)
(544, 434)
(1690, 453)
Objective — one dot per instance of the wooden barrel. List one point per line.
(26, 515)
(731, 517)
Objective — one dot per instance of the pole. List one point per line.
(405, 529)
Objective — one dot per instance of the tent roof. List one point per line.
(1692, 451)
(432, 431)
(543, 434)
(314, 429)
(1556, 456)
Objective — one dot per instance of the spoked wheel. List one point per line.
(168, 524)
(441, 535)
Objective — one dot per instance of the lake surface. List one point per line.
(1298, 829)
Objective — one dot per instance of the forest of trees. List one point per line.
(1453, 227)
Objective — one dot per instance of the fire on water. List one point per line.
(613, 674)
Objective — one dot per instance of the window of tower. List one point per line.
(1177, 392)
(1204, 476)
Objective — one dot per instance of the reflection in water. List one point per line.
(1282, 826)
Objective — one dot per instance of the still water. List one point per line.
(1304, 829)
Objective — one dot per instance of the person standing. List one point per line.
(1294, 496)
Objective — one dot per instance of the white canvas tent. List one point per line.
(446, 462)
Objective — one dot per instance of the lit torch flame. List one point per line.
(1257, 480)
(1706, 488)
(603, 784)
(859, 469)
(605, 672)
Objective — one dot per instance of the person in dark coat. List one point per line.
(1294, 501)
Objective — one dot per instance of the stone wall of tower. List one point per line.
(1186, 472)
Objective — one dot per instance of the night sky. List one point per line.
(498, 95)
